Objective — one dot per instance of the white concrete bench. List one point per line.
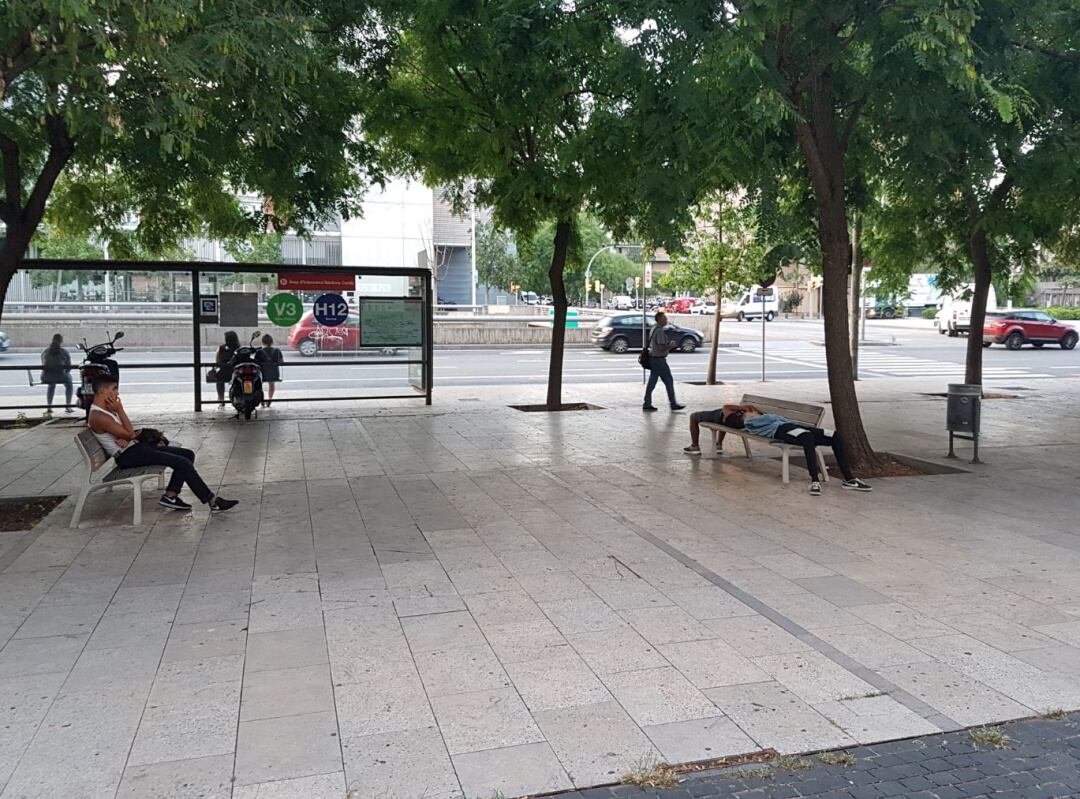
(811, 415)
(95, 457)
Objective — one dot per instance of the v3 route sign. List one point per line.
(284, 309)
(330, 310)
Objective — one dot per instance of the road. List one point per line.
(794, 350)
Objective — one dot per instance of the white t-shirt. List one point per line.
(108, 440)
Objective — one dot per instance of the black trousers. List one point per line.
(810, 439)
(180, 460)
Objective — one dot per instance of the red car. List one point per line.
(1014, 329)
(681, 305)
(310, 338)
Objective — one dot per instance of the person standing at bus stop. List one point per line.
(270, 360)
(56, 368)
(659, 347)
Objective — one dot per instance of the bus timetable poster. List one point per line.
(396, 322)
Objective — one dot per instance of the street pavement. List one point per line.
(793, 351)
(466, 600)
(1037, 759)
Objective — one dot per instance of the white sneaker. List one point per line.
(815, 489)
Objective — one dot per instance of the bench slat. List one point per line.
(92, 448)
(798, 411)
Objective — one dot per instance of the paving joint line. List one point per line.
(866, 674)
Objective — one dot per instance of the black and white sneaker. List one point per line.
(857, 485)
(815, 489)
(173, 503)
(692, 450)
(219, 504)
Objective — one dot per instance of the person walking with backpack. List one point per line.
(659, 347)
(56, 368)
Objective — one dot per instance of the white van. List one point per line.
(622, 302)
(954, 317)
(750, 306)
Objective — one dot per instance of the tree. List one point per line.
(166, 111)
(986, 171)
(496, 258)
(799, 76)
(496, 97)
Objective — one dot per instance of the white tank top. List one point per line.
(107, 440)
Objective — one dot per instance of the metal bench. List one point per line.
(811, 415)
(95, 457)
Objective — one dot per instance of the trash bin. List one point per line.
(963, 415)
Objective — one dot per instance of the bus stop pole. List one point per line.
(196, 335)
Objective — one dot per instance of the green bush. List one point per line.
(929, 313)
(790, 301)
(1070, 314)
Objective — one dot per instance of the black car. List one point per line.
(622, 333)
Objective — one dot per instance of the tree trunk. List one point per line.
(823, 153)
(980, 262)
(558, 324)
(710, 378)
(857, 309)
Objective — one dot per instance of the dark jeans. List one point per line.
(221, 389)
(180, 460)
(660, 371)
(50, 392)
(810, 439)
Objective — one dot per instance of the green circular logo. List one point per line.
(284, 309)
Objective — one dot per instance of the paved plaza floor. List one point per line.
(467, 600)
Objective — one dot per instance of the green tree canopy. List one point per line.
(163, 112)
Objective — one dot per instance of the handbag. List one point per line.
(152, 438)
(645, 360)
(212, 374)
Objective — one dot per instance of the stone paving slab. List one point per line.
(465, 600)
(1040, 759)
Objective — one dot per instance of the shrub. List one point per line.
(929, 313)
(790, 301)
(1069, 314)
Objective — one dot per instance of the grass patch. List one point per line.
(989, 736)
(845, 759)
(1057, 714)
(760, 773)
(650, 773)
(792, 763)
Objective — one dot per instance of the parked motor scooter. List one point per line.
(246, 389)
(97, 362)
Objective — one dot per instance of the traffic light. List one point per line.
(588, 285)
(637, 282)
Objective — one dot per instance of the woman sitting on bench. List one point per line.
(122, 442)
(788, 431)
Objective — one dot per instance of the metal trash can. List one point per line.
(963, 415)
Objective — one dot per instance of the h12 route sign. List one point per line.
(284, 309)
(330, 310)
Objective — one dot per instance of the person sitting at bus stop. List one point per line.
(121, 441)
(223, 364)
(789, 431)
(270, 360)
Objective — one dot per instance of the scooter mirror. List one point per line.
(119, 335)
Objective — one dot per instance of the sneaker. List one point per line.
(677, 407)
(815, 489)
(69, 409)
(48, 414)
(692, 450)
(649, 408)
(857, 485)
(219, 504)
(173, 503)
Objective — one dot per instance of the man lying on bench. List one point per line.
(778, 428)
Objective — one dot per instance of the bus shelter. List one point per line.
(346, 333)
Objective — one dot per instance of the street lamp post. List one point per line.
(588, 272)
